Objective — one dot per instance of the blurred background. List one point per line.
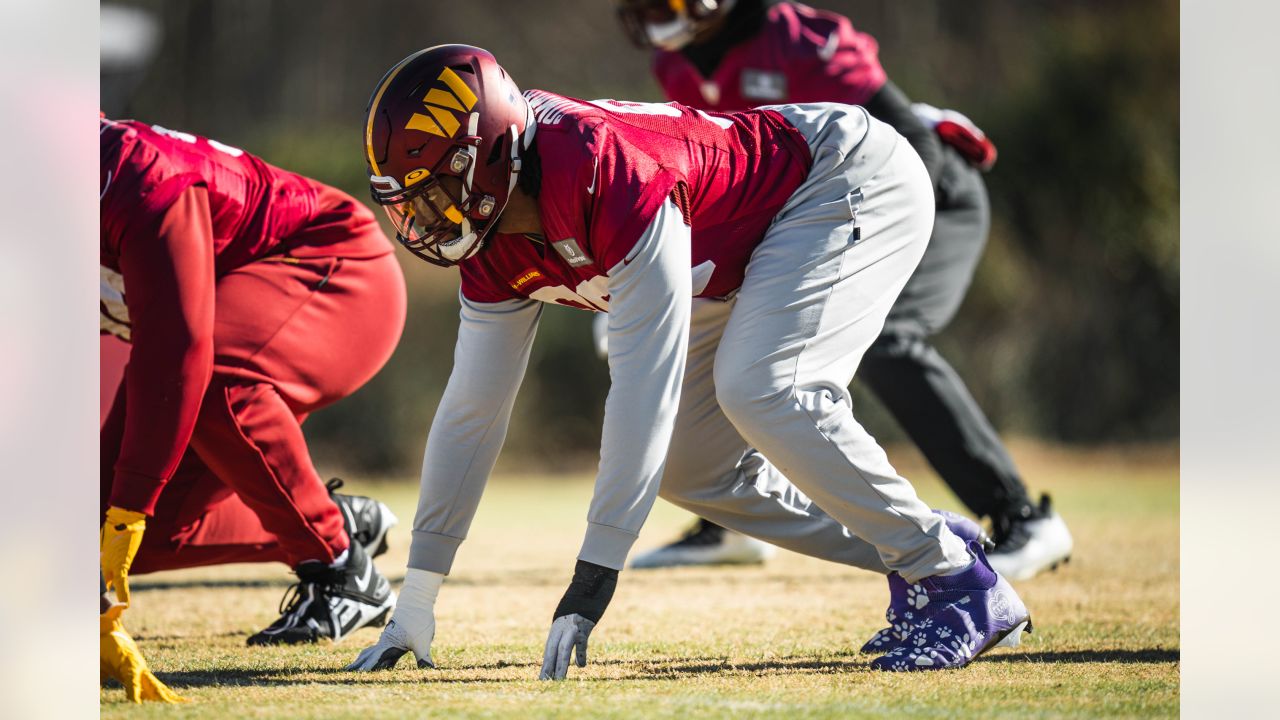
(1069, 334)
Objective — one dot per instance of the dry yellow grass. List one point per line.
(774, 641)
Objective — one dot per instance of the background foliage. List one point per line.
(1070, 332)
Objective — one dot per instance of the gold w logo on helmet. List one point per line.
(439, 102)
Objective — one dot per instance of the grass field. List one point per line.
(779, 640)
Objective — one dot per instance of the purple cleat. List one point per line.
(966, 529)
(899, 614)
(958, 618)
(903, 596)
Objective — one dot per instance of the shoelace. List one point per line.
(292, 598)
(1010, 534)
(361, 535)
(293, 595)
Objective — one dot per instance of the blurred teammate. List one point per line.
(746, 262)
(730, 55)
(251, 297)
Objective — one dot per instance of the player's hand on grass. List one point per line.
(121, 536)
(394, 643)
(568, 635)
(121, 660)
(412, 627)
(576, 616)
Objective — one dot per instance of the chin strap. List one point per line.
(519, 141)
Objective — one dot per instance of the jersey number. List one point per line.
(664, 109)
(590, 294)
(189, 138)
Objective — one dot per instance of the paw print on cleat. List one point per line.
(907, 600)
(964, 616)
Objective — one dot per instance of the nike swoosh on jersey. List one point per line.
(595, 165)
(828, 51)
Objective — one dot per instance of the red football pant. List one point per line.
(291, 336)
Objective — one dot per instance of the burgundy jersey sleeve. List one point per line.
(622, 190)
(256, 208)
(168, 271)
(635, 187)
(138, 183)
(603, 172)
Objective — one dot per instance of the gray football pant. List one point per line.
(916, 384)
(769, 370)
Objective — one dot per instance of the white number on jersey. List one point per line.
(664, 109)
(590, 293)
(189, 138)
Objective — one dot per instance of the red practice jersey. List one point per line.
(161, 255)
(800, 55)
(607, 167)
(257, 208)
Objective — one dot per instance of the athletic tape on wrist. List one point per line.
(589, 593)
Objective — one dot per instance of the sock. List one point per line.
(341, 560)
(972, 561)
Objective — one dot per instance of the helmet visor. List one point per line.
(428, 221)
(430, 215)
(648, 11)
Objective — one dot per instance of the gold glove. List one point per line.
(121, 659)
(121, 536)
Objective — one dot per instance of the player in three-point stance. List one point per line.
(251, 297)
(746, 261)
(729, 55)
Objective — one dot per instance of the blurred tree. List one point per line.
(1088, 187)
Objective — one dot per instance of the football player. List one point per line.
(746, 262)
(251, 297)
(730, 55)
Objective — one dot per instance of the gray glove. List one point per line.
(568, 634)
(394, 643)
(412, 627)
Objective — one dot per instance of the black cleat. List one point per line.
(331, 602)
(706, 543)
(366, 520)
(1030, 543)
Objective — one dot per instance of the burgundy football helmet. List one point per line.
(443, 138)
(669, 24)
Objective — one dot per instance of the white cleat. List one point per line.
(1014, 638)
(707, 544)
(1032, 545)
